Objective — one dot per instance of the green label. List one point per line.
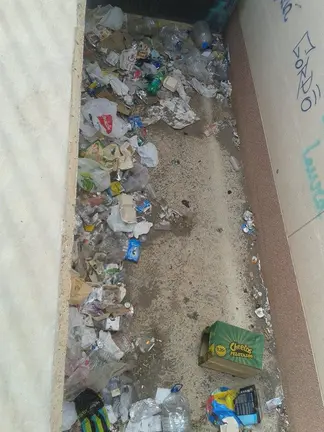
(236, 344)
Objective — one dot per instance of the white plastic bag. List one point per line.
(69, 416)
(149, 155)
(116, 223)
(113, 19)
(92, 177)
(143, 409)
(127, 59)
(118, 86)
(209, 91)
(141, 228)
(96, 73)
(109, 349)
(87, 130)
(103, 115)
(112, 58)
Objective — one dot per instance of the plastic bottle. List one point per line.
(155, 85)
(175, 412)
(201, 35)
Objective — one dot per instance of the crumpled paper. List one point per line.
(175, 112)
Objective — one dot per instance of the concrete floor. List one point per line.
(186, 281)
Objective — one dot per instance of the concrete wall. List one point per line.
(38, 148)
(285, 46)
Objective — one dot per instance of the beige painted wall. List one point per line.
(37, 48)
(286, 54)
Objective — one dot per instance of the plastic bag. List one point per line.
(149, 155)
(92, 177)
(151, 424)
(69, 415)
(206, 91)
(116, 223)
(177, 113)
(143, 409)
(173, 38)
(112, 58)
(103, 115)
(141, 228)
(195, 65)
(87, 130)
(113, 19)
(127, 59)
(109, 350)
(77, 382)
(137, 178)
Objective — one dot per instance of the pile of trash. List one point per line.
(136, 72)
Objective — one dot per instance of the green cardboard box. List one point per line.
(231, 349)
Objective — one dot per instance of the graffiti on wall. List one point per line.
(308, 92)
(286, 7)
(311, 169)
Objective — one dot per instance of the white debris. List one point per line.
(108, 347)
(177, 113)
(112, 58)
(259, 312)
(274, 403)
(209, 91)
(149, 155)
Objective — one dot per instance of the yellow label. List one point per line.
(89, 228)
(116, 188)
(241, 350)
(220, 350)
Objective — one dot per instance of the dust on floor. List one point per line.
(185, 282)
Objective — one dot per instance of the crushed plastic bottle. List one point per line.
(155, 85)
(175, 412)
(201, 35)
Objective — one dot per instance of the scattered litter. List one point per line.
(186, 203)
(209, 91)
(161, 394)
(102, 115)
(273, 404)
(133, 251)
(69, 415)
(80, 290)
(142, 409)
(112, 58)
(127, 59)
(145, 344)
(248, 227)
(113, 19)
(107, 347)
(91, 411)
(170, 83)
(201, 35)
(259, 312)
(234, 407)
(92, 177)
(135, 74)
(177, 113)
(127, 208)
(149, 155)
(254, 260)
(176, 411)
(231, 349)
(235, 163)
(142, 228)
(212, 129)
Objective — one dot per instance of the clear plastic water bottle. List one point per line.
(201, 35)
(175, 412)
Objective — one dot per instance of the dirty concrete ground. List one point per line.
(185, 281)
